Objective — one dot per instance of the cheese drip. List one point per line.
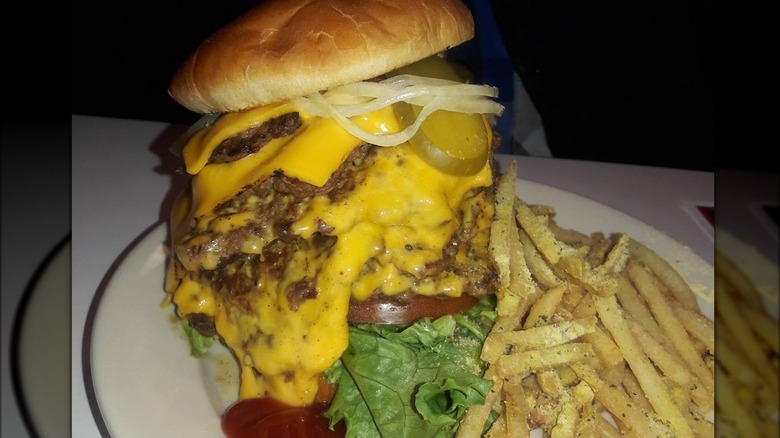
(389, 228)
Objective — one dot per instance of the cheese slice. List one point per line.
(398, 218)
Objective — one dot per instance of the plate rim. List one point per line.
(31, 416)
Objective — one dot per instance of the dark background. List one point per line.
(630, 82)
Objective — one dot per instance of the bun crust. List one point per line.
(289, 48)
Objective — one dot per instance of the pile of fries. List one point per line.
(595, 336)
(748, 361)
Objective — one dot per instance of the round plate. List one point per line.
(147, 384)
(42, 348)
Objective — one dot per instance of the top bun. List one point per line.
(283, 49)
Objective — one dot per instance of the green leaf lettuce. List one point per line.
(415, 381)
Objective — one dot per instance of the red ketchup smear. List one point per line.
(267, 417)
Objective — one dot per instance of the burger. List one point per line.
(334, 234)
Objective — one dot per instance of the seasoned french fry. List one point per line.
(549, 382)
(598, 250)
(697, 325)
(666, 273)
(544, 307)
(570, 237)
(732, 361)
(663, 359)
(582, 322)
(538, 337)
(497, 429)
(764, 326)
(566, 423)
(586, 307)
(605, 429)
(596, 281)
(650, 289)
(549, 246)
(516, 408)
(635, 392)
(636, 308)
(616, 257)
(473, 422)
(605, 348)
(518, 363)
(727, 270)
(655, 389)
(700, 426)
(500, 232)
(745, 340)
(731, 408)
(536, 263)
(619, 404)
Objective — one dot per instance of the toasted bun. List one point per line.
(289, 48)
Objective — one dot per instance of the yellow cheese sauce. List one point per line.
(389, 230)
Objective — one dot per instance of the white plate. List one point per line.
(42, 362)
(147, 384)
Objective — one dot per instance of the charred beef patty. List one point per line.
(239, 260)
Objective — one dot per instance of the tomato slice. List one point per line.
(389, 311)
(267, 417)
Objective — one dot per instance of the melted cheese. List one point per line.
(394, 223)
(216, 183)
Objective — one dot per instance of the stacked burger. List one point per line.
(335, 232)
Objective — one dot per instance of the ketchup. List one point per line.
(266, 417)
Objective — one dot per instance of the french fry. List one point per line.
(582, 322)
(570, 237)
(596, 281)
(635, 392)
(500, 232)
(516, 408)
(536, 226)
(617, 256)
(663, 359)
(732, 409)
(572, 297)
(497, 429)
(544, 336)
(566, 422)
(650, 289)
(666, 273)
(473, 422)
(636, 308)
(697, 325)
(598, 251)
(605, 348)
(550, 383)
(586, 307)
(700, 426)
(764, 327)
(732, 361)
(544, 307)
(745, 340)
(538, 267)
(565, 354)
(523, 291)
(655, 390)
(619, 404)
(731, 273)
(605, 429)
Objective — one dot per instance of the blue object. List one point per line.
(487, 58)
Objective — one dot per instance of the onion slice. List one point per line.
(431, 94)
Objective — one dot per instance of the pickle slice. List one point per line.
(453, 142)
